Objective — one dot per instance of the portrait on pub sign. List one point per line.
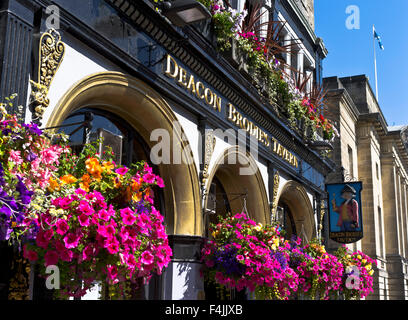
(345, 212)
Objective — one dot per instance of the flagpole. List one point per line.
(375, 66)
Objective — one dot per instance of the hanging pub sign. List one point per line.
(345, 212)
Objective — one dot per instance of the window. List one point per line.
(380, 227)
(89, 124)
(237, 4)
(351, 162)
(377, 171)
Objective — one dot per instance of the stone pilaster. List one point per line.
(392, 208)
(368, 156)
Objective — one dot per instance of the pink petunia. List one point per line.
(51, 258)
(147, 258)
(160, 182)
(41, 241)
(30, 254)
(66, 255)
(71, 240)
(103, 215)
(122, 171)
(149, 178)
(85, 208)
(83, 220)
(112, 271)
(62, 227)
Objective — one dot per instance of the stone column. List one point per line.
(392, 222)
(288, 58)
(181, 279)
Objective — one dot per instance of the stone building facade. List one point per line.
(370, 151)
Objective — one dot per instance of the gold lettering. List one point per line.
(239, 120)
(208, 92)
(182, 77)
(191, 85)
(169, 72)
(232, 113)
(217, 103)
(198, 93)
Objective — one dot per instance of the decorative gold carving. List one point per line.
(51, 54)
(276, 180)
(322, 212)
(209, 146)
(19, 284)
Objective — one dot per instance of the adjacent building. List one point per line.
(370, 151)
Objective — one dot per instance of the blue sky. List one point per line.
(351, 51)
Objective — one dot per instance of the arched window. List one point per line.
(87, 125)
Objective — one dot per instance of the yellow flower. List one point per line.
(368, 267)
(94, 168)
(86, 179)
(53, 185)
(107, 166)
(364, 261)
(276, 242)
(137, 196)
(258, 227)
(371, 272)
(68, 179)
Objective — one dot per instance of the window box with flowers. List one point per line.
(254, 56)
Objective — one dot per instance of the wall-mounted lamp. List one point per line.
(184, 12)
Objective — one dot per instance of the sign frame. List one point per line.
(349, 230)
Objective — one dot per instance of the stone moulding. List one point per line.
(50, 55)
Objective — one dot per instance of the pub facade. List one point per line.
(165, 94)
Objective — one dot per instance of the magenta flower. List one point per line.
(51, 258)
(62, 227)
(83, 220)
(149, 178)
(71, 240)
(66, 255)
(147, 258)
(85, 208)
(122, 171)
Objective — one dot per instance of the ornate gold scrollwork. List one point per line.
(19, 284)
(276, 180)
(208, 152)
(51, 54)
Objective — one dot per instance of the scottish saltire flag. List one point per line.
(376, 36)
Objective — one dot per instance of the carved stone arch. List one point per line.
(234, 183)
(145, 110)
(294, 195)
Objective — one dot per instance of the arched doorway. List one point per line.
(230, 191)
(145, 110)
(296, 212)
(126, 107)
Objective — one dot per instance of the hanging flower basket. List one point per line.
(246, 255)
(101, 225)
(86, 215)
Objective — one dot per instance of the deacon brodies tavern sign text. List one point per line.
(202, 92)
